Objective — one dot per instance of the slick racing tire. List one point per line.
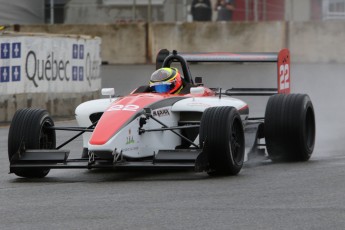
(28, 130)
(222, 140)
(289, 127)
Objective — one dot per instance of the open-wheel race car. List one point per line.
(205, 129)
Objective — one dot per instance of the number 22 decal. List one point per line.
(284, 76)
(124, 107)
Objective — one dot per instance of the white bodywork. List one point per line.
(199, 104)
(84, 110)
(129, 143)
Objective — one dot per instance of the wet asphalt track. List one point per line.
(263, 196)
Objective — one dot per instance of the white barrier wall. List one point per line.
(53, 72)
(35, 64)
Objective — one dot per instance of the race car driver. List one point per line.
(166, 80)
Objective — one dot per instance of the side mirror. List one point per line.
(197, 91)
(108, 92)
(198, 81)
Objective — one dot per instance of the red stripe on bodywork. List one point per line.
(120, 113)
(244, 110)
(244, 107)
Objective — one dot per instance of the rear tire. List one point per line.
(29, 130)
(222, 140)
(290, 127)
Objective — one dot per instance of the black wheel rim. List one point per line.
(237, 141)
(309, 129)
(47, 136)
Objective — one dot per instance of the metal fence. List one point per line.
(112, 11)
(105, 11)
(333, 9)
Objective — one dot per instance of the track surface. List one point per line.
(263, 196)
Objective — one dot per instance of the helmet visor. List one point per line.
(162, 87)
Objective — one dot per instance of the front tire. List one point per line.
(30, 130)
(222, 140)
(290, 127)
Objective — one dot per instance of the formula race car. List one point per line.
(205, 129)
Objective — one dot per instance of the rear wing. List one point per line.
(282, 58)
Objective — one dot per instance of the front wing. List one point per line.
(192, 158)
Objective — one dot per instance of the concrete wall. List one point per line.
(317, 42)
(121, 43)
(138, 43)
(210, 37)
(135, 43)
(297, 10)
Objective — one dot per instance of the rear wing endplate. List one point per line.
(282, 58)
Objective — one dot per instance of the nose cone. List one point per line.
(119, 114)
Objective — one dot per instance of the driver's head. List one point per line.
(166, 80)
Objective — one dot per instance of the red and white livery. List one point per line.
(207, 129)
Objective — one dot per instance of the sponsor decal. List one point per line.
(75, 51)
(16, 50)
(161, 112)
(129, 138)
(16, 73)
(49, 69)
(5, 74)
(130, 149)
(75, 73)
(91, 71)
(55, 69)
(78, 51)
(10, 72)
(40, 64)
(5, 51)
(199, 104)
(81, 51)
(78, 70)
(81, 73)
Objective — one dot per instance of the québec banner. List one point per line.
(49, 64)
